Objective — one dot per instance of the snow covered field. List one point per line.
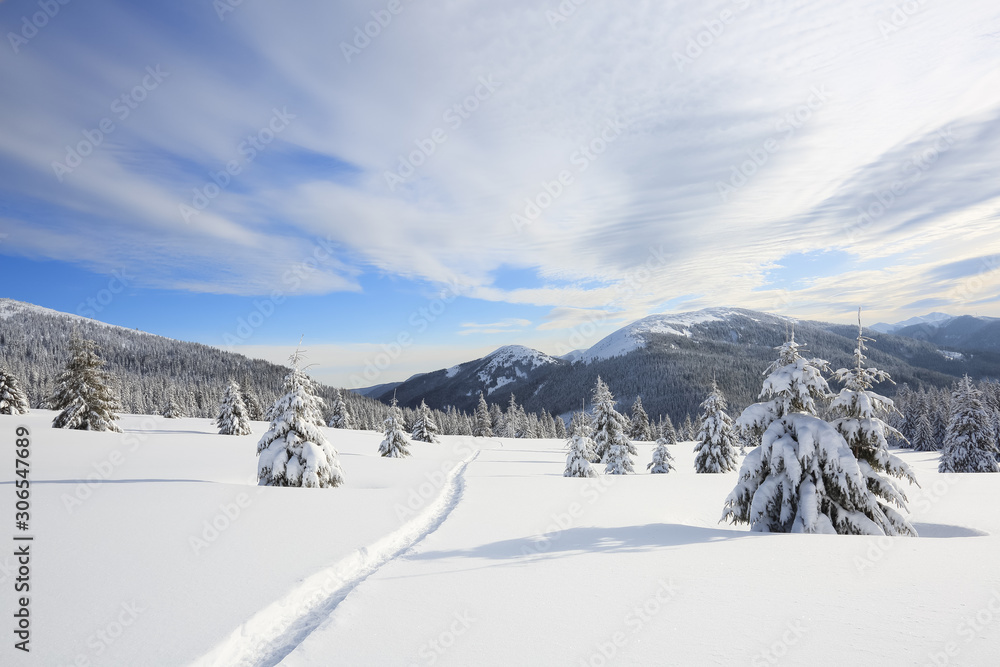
(472, 552)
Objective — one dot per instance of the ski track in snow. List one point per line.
(276, 630)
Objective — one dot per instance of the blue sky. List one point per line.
(475, 174)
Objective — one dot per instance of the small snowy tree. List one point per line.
(613, 447)
(83, 395)
(860, 416)
(688, 430)
(580, 425)
(483, 426)
(716, 448)
(803, 478)
(667, 430)
(581, 449)
(639, 425)
(663, 460)
(395, 444)
(969, 444)
(923, 435)
(424, 428)
(294, 451)
(340, 416)
(13, 400)
(233, 416)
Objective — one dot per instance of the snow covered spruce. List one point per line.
(483, 426)
(716, 448)
(233, 416)
(804, 476)
(83, 395)
(581, 449)
(424, 428)
(13, 400)
(294, 451)
(395, 445)
(970, 443)
(639, 427)
(663, 460)
(613, 447)
(340, 416)
(173, 409)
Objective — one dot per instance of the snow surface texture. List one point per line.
(456, 580)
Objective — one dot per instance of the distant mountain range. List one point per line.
(670, 360)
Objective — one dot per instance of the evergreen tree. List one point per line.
(510, 427)
(612, 445)
(561, 427)
(341, 416)
(254, 409)
(395, 444)
(803, 477)
(860, 413)
(969, 445)
(716, 448)
(688, 431)
(663, 460)
(294, 451)
(173, 409)
(233, 416)
(924, 439)
(580, 426)
(483, 427)
(13, 400)
(581, 449)
(639, 426)
(667, 430)
(424, 428)
(83, 395)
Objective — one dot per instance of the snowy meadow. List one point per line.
(155, 546)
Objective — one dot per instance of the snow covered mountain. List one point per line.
(670, 359)
(934, 319)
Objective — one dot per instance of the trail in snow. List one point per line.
(274, 632)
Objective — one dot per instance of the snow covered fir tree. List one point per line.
(13, 400)
(483, 426)
(294, 451)
(860, 415)
(173, 409)
(340, 416)
(395, 444)
(717, 442)
(424, 428)
(639, 428)
(970, 443)
(233, 416)
(581, 449)
(612, 445)
(923, 438)
(83, 393)
(663, 460)
(803, 478)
